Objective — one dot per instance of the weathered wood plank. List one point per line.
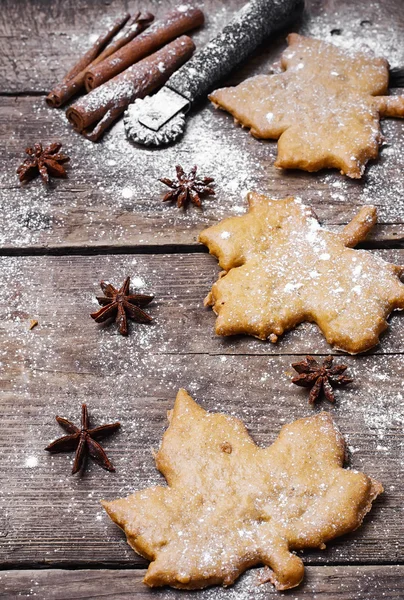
(60, 293)
(328, 583)
(49, 517)
(35, 56)
(358, 24)
(26, 39)
(112, 197)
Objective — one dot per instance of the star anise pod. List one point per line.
(188, 187)
(120, 304)
(320, 377)
(44, 162)
(84, 441)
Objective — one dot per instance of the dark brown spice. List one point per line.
(188, 187)
(84, 441)
(320, 378)
(120, 304)
(45, 162)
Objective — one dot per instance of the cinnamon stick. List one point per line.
(177, 22)
(100, 42)
(53, 97)
(74, 80)
(91, 115)
(136, 25)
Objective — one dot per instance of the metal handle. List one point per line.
(246, 31)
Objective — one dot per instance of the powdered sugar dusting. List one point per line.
(124, 204)
(35, 214)
(276, 248)
(352, 28)
(67, 359)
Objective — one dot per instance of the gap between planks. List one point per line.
(124, 566)
(331, 583)
(155, 249)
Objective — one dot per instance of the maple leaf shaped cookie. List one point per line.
(324, 108)
(230, 505)
(281, 268)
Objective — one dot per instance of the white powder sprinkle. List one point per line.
(137, 282)
(127, 192)
(31, 462)
(290, 287)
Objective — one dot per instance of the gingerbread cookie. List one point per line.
(281, 268)
(230, 505)
(324, 108)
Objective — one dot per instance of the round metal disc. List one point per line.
(140, 134)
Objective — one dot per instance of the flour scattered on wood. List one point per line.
(112, 196)
(124, 204)
(135, 380)
(352, 28)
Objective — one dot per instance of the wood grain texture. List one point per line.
(51, 518)
(60, 293)
(321, 583)
(28, 41)
(34, 56)
(111, 202)
(113, 199)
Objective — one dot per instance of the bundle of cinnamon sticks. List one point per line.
(132, 59)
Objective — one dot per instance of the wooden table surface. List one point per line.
(107, 221)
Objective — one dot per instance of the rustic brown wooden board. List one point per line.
(51, 518)
(328, 583)
(122, 206)
(40, 41)
(112, 198)
(60, 293)
(27, 42)
(111, 203)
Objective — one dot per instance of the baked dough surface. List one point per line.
(230, 505)
(324, 108)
